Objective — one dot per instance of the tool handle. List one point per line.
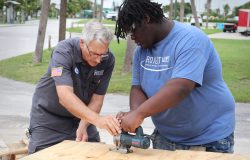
(139, 131)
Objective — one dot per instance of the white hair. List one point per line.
(96, 31)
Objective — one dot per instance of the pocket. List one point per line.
(224, 145)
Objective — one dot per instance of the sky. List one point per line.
(199, 3)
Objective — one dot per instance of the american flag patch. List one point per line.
(56, 72)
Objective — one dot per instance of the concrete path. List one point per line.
(19, 39)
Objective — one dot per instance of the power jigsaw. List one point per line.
(124, 141)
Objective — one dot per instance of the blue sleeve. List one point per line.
(190, 62)
(136, 68)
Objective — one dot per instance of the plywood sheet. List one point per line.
(71, 150)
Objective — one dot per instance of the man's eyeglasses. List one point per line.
(102, 56)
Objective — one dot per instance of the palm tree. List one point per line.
(62, 23)
(129, 55)
(182, 6)
(95, 9)
(226, 9)
(208, 7)
(171, 10)
(37, 57)
(101, 8)
(197, 24)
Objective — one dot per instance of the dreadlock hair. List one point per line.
(132, 12)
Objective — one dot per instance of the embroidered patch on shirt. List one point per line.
(98, 73)
(56, 72)
(76, 70)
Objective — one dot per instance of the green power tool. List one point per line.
(125, 140)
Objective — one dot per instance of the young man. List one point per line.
(70, 95)
(177, 80)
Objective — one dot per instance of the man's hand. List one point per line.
(131, 121)
(110, 123)
(81, 132)
(81, 135)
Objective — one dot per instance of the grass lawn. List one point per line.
(74, 29)
(211, 31)
(79, 29)
(234, 54)
(104, 21)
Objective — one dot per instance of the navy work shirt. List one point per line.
(68, 68)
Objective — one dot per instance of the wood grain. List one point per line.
(71, 150)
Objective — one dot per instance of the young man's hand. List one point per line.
(119, 115)
(131, 121)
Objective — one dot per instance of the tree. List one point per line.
(37, 58)
(187, 8)
(244, 6)
(208, 7)
(217, 11)
(63, 16)
(101, 8)
(53, 12)
(226, 8)
(75, 6)
(197, 24)
(182, 8)
(175, 9)
(171, 10)
(1, 4)
(95, 10)
(29, 7)
(129, 55)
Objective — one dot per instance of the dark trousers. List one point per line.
(42, 137)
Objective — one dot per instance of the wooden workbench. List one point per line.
(71, 150)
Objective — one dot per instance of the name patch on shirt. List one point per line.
(98, 73)
(56, 72)
(156, 64)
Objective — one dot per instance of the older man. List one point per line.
(70, 95)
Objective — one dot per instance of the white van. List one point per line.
(192, 21)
